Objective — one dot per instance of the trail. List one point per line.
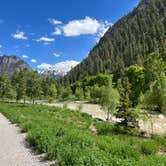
(13, 150)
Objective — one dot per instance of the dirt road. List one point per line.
(13, 151)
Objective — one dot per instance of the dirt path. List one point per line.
(13, 151)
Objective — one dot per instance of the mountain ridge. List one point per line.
(12, 63)
(127, 42)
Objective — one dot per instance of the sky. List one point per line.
(57, 33)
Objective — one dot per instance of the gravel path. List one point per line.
(13, 150)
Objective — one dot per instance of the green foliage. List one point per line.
(124, 88)
(109, 100)
(19, 82)
(64, 136)
(105, 128)
(128, 42)
(154, 99)
(89, 87)
(66, 93)
(79, 93)
(136, 77)
(149, 147)
(5, 87)
(99, 80)
(49, 87)
(52, 92)
(154, 67)
(87, 93)
(31, 85)
(95, 94)
(128, 115)
(34, 90)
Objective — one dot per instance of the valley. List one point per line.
(106, 108)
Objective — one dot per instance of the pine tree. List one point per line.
(127, 115)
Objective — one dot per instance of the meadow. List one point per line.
(73, 138)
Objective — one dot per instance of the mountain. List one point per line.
(127, 42)
(9, 64)
(54, 72)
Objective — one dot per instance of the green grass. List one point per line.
(65, 136)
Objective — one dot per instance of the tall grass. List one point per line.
(65, 136)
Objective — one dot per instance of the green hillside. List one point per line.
(127, 42)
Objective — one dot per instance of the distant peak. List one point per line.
(10, 64)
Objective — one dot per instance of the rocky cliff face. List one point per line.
(9, 64)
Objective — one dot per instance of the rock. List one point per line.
(10, 64)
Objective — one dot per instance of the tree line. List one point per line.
(139, 88)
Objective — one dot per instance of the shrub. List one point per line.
(149, 147)
(104, 128)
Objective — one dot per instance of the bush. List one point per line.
(149, 147)
(161, 141)
(104, 128)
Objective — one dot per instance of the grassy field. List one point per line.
(75, 139)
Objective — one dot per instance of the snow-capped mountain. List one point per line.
(58, 70)
(51, 71)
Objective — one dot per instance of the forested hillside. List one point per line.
(127, 42)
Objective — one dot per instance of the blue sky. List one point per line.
(46, 32)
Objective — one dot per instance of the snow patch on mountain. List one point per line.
(58, 70)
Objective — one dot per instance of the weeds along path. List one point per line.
(13, 151)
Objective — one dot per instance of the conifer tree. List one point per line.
(127, 115)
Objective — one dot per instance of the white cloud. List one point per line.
(54, 21)
(56, 54)
(64, 66)
(0, 46)
(103, 29)
(81, 27)
(45, 39)
(19, 35)
(25, 56)
(86, 26)
(44, 66)
(57, 31)
(33, 60)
